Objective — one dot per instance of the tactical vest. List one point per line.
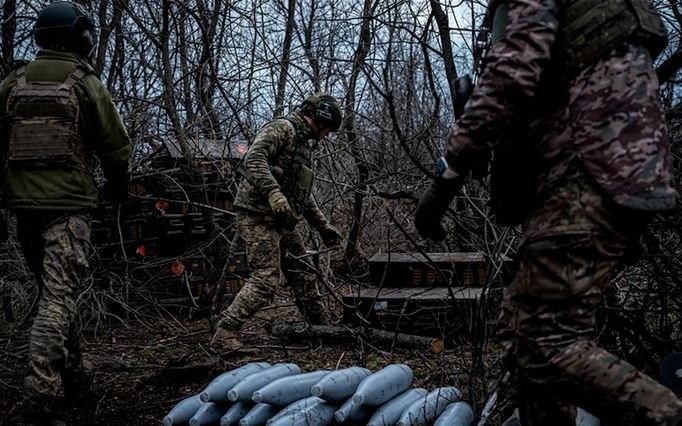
(44, 123)
(298, 177)
(591, 28)
(588, 29)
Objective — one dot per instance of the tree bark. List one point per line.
(9, 27)
(286, 57)
(168, 81)
(448, 57)
(336, 333)
(351, 134)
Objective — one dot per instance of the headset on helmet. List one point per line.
(324, 109)
(65, 26)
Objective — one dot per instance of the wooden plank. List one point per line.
(397, 293)
(370, 293)
(472, 257)
(442, 293)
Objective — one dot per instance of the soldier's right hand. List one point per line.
(115, 194)
(279, 204)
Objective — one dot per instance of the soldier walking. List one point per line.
(56, 117)
(274, 195)
(579, 75)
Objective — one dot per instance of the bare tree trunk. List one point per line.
(9, 27)
(168, 81)
(206, 79)
(351, 134)
(448, 57)
(307, 42)
(105, 30)
(187, 98)
(286, 55)
(118, 57)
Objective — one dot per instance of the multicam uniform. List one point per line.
(602, 162)
(278, 160)
(48, 184)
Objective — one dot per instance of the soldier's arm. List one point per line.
(509, 82)
(259, 159)
(106, 130)
(5, 87)
(313, 214)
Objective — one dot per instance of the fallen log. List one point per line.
(335, 332)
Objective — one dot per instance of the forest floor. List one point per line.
(143, 368)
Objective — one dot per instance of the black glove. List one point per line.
(432, 206)
(115, 194)
(330, 236)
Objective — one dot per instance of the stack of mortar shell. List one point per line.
(280, 395)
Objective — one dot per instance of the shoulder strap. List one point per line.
(21, 76)
(82, 69)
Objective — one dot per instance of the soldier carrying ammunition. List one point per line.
(56, 116)
(589, 166)
(274, 195)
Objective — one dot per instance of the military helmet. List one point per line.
(324, 109)
(65, 26)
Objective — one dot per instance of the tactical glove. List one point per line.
(330, 236)
(279, 204)
(432, 206)
(115, 194)
(282, 210)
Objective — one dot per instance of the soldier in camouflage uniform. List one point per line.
(580, 74)
(274, 195)
(56, 116)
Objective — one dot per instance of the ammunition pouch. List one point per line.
(44, 124)
(296, 183)
(591, 28)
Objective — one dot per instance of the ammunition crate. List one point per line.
(424, 311)
(416, 270)
(137, 227)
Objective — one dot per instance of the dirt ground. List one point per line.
(145, 367)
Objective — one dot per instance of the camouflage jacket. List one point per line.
(276, 150)
(608, 117)
(68, 189)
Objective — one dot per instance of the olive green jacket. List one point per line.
(67, 189)
(278, 148)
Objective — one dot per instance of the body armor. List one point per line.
(588, 29)
(298, 177)
(591, 28)
(44, 123)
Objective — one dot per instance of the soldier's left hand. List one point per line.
(432, 206)
(330, 236)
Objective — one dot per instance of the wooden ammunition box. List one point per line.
(434, 269)
(441, 311)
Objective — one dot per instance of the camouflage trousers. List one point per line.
(573, 246)
(270, 250)
(57, 248)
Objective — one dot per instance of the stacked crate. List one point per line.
(166, 236)
(436, 294)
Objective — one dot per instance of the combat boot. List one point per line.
(78, 382)
(316, 314)
(226, 338)
(35, 411)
